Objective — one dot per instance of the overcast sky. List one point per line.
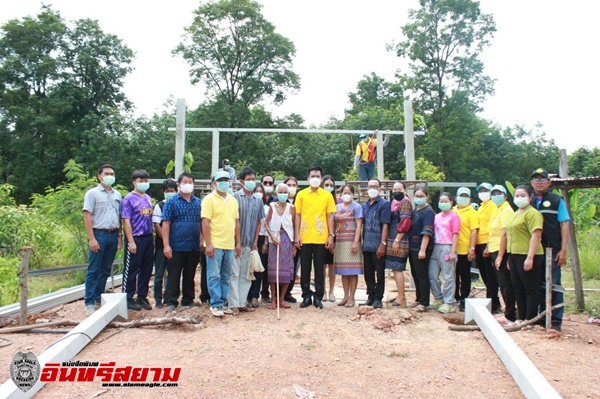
(543, 55)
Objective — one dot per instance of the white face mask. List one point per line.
(258, 195)
(186, 188)
(268, 189)
(315, 182)
(292, 191)
(347, 198)
(373, 193)
(485, 196)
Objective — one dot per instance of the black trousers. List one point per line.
(506, 289)
(525, 284)
(487, 271)
(312, 254)
(419, 269)
(181, 264)
(204, 295)
(374, 275)
(463, 278)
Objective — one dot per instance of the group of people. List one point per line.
(324, 229)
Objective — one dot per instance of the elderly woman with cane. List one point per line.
(280, 228)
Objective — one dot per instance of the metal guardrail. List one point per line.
(54, 270)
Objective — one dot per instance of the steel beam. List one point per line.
(532, 383)
(113, 306)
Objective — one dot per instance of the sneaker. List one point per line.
(90, 310)
(461, 305)
(266, 299)
(217, 312)
(420, 308)
(159, 304)
(172, 308)
(447, 308)
(133, 305)
(188, 305)
(224, 310)
(143, 302)
(436, 304)
(97, 305)
(290, 299)
(557, 327)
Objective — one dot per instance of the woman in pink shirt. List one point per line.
(443, 258)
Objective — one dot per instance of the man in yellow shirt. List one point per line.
(482, 257)
(364, 159)
(313, 234)
(221, 233)
(467, 239)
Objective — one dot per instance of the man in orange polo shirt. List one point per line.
(313, 234)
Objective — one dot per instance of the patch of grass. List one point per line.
(309, 346)
(592, 299)
(402, 355)
(41, 285)
(296, 335)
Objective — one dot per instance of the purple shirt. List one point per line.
(138, 209)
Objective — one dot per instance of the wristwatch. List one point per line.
(471, 248)
(331, 235)
(383, 243)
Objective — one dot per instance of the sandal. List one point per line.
(342, 302)
(349, 304)
(402, 305)
(284, 305)
(272, 306)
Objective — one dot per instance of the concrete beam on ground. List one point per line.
(113, 306)
(532, 383)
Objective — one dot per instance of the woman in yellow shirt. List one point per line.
(467, 239)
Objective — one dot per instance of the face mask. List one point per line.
(521, 202)
(143, 186)
(169, 195)
(373, 193)
(485, 196)
(108, 180)
(292, 191)
(222, 186)
(365, 140)
(315, 182)
(282, 197)
(444, 206)
(186, 188)
(230, 191)
(398, 196)
(498, 199)
(258, 195)
(463, 201)
(249, 185)
(347, 198)
(226, 167)
(328, 188)
(268, 189)
(420, 201)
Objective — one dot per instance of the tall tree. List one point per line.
(237, 54)
(443, 43)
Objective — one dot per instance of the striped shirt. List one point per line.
(251, 211)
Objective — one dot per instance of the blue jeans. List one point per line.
(100, 264)
(366, 171)
(218, 271)
(557, 297)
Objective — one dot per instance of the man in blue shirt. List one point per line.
(181, 241)
(555, 235)
(377, 215)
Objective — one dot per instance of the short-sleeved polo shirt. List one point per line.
(313, 207)
(484, 212)
(105, 207)
(184, 219)
(469, 220)
(519, 229)
(498, 221)
(222, 213)
(375, 215)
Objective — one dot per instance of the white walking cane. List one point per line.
(277, 278)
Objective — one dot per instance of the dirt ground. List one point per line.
(328, 353)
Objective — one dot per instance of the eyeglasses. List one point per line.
(267, 183)
(539, 179)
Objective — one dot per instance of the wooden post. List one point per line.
(548, 264)
(179, 137)
(573, 251)
(23, 284)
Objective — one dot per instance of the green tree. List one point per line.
(237, 54)
(585, 162)
(443, 43)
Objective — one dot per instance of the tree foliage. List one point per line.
(237, 54)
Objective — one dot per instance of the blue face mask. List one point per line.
(249, 185)
(498, 199)
(328, 188)
(444, 206)
(420, 201)
(143, 186)
(282, 197)
(463, 201)
(223, 186)
(169, 195)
